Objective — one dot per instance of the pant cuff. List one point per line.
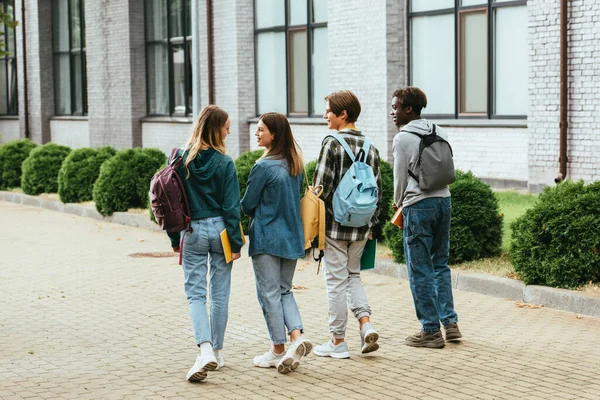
(363, 314)
(299, 327)
(450, 321)
(431, 331)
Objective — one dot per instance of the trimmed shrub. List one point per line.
(310, 174)
(40, 169)
(12, 155)
(124, 180)
(476, 225)
(243, 165)
(557, 241)
(79, 171)
(385, 212)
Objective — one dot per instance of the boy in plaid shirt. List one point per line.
(344, 245)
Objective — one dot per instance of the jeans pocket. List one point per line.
(218, 224)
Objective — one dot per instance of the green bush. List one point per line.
(387, 187)
(310, 174)
(243, 165)
(12, 155)
(557, 241)
(124, 180)
(79, 171)
(476, 225)
(40, 169)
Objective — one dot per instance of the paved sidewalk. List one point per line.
(80, 319)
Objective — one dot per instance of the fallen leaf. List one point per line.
(577, 316)
(142, 240)
(118, 238)
(528, 305)
(298, 287)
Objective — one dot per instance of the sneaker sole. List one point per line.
(290, 364)
(371, 343)
(345, 354)
(429, 345)
(201, 374)
(453, 338)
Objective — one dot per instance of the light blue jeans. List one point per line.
(274, 277)
(197, 245)
(427, 249)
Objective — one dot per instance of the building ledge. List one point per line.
(68, 118)
(481, 123)
(296, 120)
(9, 117)
(163, 119)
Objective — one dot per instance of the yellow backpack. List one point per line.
(312, 211)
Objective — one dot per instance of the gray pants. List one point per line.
(342, 278)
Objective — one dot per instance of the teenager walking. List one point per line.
(212, 189)
(272, 200)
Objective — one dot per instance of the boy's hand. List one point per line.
(395, 206)
(235, 256)
(176, 249)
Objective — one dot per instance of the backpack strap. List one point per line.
(364, 151)
(341, 140)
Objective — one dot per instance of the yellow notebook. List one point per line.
(227, 245)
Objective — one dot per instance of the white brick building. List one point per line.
(119, 72)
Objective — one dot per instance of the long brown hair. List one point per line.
(283, 146)
(206, 133)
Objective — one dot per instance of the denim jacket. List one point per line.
(272, 200)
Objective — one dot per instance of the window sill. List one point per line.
(481, 123)
(9, 117)
(173, 120)
(297, 120)
(68, 118)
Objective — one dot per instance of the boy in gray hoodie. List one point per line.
(426, 225)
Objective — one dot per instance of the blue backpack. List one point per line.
(355, 199)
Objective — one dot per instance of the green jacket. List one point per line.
(212, 190)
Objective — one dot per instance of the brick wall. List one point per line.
(39, 69)
(233, 32)
(544, 90)
(72, 133)
(165, 135)
(9, 130)
(116, 72)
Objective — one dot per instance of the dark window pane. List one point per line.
(62, 84)
(156, 20)
(77, 84)
(3, 99)
(158, 79)
(177, 28)
(13, 99)
(60, 25)
(298, 72)
(75, 25)
(188, 18)
(82, 14)
(188, 71)
(179, 79)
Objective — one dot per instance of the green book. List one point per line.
(367, 261)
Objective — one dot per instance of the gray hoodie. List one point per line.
(406, 154)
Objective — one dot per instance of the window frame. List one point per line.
(287, 29)
(11, 55)
(185, 42)
(71, 53)
(489, 6)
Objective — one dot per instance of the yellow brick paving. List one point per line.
(80, 319)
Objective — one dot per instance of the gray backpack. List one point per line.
(435, 163)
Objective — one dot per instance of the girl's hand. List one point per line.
(176, 249)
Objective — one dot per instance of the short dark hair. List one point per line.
(344, 100)
(412, 96)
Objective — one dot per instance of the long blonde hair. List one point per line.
(206, 133)
(283, 145)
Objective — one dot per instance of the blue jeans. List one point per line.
(274, 277)
(427, 248)
(205, 240)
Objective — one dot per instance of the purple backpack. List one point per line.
(167, 197)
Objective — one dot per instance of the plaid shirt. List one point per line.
(332, 164)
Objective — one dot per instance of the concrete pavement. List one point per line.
(80, 318)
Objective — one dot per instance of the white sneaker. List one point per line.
(268, 360)
(198, 371)
(369, 337)
(220, 360)
(330, 350)
(291, 360)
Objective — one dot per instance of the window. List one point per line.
(68, 44)
(470, 57)
(291, 56)
(168, 57)
(8, 62)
